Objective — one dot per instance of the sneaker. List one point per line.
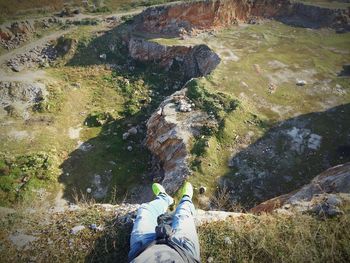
(187, 189)
(158, 189)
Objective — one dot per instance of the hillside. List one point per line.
(247, 100)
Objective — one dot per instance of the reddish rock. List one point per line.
(192, 17)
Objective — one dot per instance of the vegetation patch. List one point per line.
(276, 238)
(21, 176)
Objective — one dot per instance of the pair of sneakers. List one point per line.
(187, 189)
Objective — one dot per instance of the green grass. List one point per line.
(321, 52)
(23, 174)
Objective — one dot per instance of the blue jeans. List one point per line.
(185, 233)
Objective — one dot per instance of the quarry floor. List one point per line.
(291, 124)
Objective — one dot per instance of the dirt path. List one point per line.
(31, 75)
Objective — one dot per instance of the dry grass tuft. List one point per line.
(277, 238)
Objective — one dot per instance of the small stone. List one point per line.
(103, 56)
(210, 259)
(257, 68)
(301, 82)
(228, 241)
(333, 211)
(75, 230)
(76, 85)
(88, 190)
(333, 200)
(96, 228)
(129, 148)
(244, 84)
(125, 135)
(93, 226)
(202, 190)
(272, 88)
(132, 130)
(16, 68)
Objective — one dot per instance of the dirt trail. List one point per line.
(30, 75)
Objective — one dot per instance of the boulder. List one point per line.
(194, 61)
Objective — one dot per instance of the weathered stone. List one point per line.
(301, 82)
(75, 230)
(195, 61)
(168, 135)
(227, 241)
(132, 130)
(126, 135)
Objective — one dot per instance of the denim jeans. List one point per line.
(185, 233)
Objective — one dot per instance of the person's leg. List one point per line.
(184, 227)
(145, 223)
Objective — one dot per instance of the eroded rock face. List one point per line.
(189, 17)
(178, 19)
(168, 135)
(331, 181)
(303, 15)
(192, 61)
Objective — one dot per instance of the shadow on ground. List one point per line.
(289, 155)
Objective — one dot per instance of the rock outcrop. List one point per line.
(194, 61)
(332, 181)
(14, 34)
(190, 17)
(169, 131)
(311, 16)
